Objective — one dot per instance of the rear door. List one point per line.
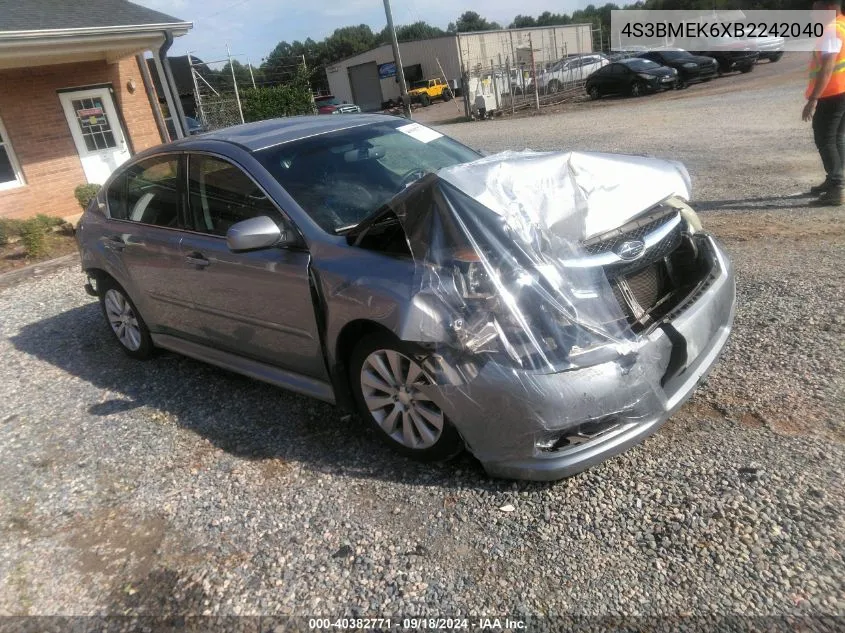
(256, 304)
(144, 236)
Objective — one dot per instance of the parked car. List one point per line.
(731, 54)
(690, 67)
(361, 260)
(427, 90)
(568, 71)
(770, 48)
(633, 76)
(194, 126)
(329, 104)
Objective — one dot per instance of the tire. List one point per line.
(554, 86)
(637, 89)
(594, 92)
(775, 58)
(446, 96)
(379, 368)
(124, 321)
(425, 101)
(746, 69)
(681, 84)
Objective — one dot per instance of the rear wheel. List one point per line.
(124, 320)
(594, 92)
(425, 101)
(554, 86)
(388, 384)
(747, 69)
(447, 96)
(775, 58)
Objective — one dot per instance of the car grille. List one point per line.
(633, 231)
(640, 285)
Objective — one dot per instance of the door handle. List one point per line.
(196, 259)
(114, 243)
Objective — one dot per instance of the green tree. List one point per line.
(522, 21)
(471, 21)
(412, 32)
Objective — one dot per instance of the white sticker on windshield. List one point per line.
(422, 134)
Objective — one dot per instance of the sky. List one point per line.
(252, 28)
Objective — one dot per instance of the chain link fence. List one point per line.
(539, 74)
(218, 106)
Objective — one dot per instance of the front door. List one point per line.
(99, 138)
(256, 304)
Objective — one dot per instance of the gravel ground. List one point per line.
(169, 487)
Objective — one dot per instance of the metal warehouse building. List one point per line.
(369, 79)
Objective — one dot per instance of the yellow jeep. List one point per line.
(429, 89)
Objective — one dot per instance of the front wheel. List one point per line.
(124, 320)
(636, 89)
(554, 86)
(747, 69)
(775, 58)
(388, 383)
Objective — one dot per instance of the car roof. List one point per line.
(263, 134)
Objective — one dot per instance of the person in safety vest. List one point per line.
(826, 105)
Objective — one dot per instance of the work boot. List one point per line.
(832, 197)
(820, 189)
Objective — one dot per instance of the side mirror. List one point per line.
(254, 234)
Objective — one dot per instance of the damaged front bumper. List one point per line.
(546, 426)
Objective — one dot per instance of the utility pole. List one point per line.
(534, 73)
(397, 58)
(235, 83)
(251, 76)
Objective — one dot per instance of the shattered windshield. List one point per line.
(342, 177)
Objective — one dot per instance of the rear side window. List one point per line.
(221, 194)
(147, 192)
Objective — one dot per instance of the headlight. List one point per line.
(515, 315)
(691, 65)
(646, 77)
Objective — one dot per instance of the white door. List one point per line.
(100, 141)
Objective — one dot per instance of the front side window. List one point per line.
(147, 192)
(220, 194)
(10, 173)
(342, 177)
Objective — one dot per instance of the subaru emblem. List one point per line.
(630, 250)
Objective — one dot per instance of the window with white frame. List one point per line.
(10, 171)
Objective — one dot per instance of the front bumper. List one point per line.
(510, 418)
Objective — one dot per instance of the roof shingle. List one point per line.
(37, 15)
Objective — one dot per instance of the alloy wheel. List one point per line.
(122, 319)
(390, 384)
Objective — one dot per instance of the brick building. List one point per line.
(77, 97)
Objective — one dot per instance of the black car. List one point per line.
(690, 67)
(633, 76)
(731, 54)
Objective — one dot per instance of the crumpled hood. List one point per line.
(575, 195)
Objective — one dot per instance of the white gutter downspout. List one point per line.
(171, 96)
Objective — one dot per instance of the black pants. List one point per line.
(829, 134)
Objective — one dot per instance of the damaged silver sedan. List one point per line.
(544, 311)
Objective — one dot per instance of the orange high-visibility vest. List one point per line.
(836, 85)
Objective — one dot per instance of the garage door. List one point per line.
(366, 87)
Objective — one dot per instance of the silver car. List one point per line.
(543, 311)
